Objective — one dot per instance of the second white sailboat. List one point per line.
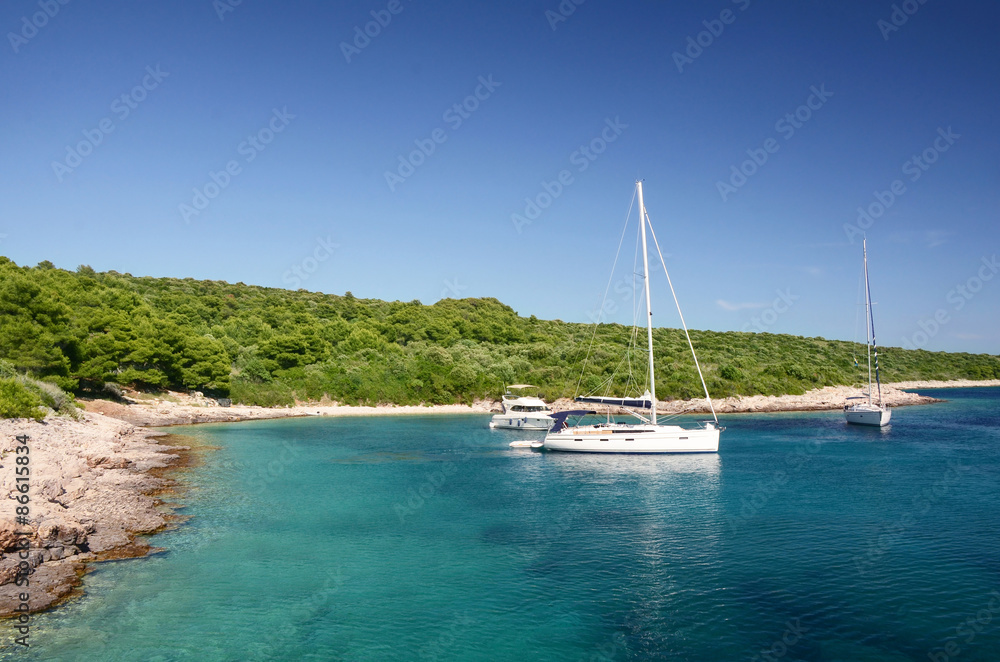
(869, 412)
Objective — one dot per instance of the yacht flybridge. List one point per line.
(646, 436)
(522, 412)
(862, 410)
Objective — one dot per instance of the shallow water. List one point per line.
(426, 537)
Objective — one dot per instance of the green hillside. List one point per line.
(267, 346)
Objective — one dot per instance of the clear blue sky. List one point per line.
(446, 229)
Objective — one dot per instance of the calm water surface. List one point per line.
(427, 538)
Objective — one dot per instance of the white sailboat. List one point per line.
(869, 412)
(647, 436)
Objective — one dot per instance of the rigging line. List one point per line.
(636, 305)
(635, 272)
(604, 300)
(857, 317)
(683, 323)
(868, 306)
(614, 374)
(681, 413)
(628, 356)
(634, 339)
(606, 386)
(608, 383)
(633, 345)
(871, 320)
(645, 367)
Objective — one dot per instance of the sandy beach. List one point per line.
(183, 409)
(94, 481)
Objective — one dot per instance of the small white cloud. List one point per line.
(930, 238)
(725, 305)
(935, 237)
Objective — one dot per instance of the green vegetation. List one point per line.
(18, 402)
(24, 397)
(81, 330)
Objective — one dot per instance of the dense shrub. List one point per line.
(17, 401)
(263, 395)
(272, 347)
(25, 397)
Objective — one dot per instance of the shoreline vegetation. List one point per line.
(182, 409)
(98, 476)
(93, 334)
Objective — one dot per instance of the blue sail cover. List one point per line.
(645, 402)
(559, 417)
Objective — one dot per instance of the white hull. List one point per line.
(620, 438)
(522, 412)
(514, 421)
(868, 415)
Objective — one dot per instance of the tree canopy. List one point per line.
(269, 346)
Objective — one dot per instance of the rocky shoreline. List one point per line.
(94, 481)
(92, 490)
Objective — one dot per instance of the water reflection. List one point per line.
(705, 465)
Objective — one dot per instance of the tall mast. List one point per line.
(868, 320)
(871, 321)
(649, 311)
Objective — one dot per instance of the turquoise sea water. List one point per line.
(427, 538)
